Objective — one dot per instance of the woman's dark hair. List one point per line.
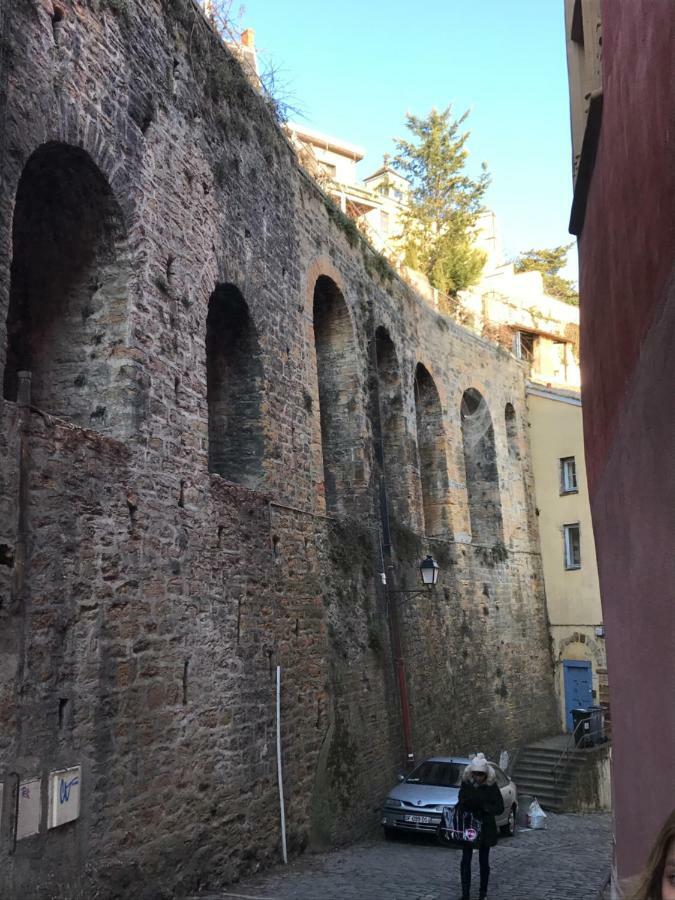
(649, 887)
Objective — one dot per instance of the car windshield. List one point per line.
(438, 774)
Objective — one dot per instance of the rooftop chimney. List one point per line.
(248, 39)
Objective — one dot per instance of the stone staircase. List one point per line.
(540, 772)
(563, 777)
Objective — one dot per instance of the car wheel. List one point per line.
(390, 834)
(510, 828)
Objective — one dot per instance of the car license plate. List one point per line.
(420, 820)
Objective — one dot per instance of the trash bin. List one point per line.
(581, 721)
(597, 730)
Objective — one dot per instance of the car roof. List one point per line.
(462, 760)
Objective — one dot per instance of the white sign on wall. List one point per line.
(30, 808)
(64, 796)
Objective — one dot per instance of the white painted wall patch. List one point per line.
(30, 807)
(64, 796)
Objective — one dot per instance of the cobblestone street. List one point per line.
(567, 861)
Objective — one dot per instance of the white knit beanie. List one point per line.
(479, 764)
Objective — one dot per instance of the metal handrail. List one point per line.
(593, 733)
(571, 744)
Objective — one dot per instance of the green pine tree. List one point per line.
(444, 203)
(549, 262)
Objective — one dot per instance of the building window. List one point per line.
(572, 546)
(568, 475)
(523, 345)
(328, 169)
(384, 218)
(577, 29)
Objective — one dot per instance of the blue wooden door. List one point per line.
(578, 687)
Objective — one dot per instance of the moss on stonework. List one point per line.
(342, 765)
(406, 542)
(499, 553)
(119, 7)
(443, 555)
(376, 638)
(351, 547)
(377, 264)
(495, 555)
(343, 222)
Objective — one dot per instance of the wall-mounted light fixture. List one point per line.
(429, 572)
(428, 569)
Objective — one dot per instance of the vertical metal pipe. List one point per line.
(279, 774)
(387, 551)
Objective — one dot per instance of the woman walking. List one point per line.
(480, 796)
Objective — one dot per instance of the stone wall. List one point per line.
(219, 460)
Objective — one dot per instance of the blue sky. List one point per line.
(354, 68)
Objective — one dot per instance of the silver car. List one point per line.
(416, 803)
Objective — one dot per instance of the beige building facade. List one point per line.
(376, 203)
(567, 547)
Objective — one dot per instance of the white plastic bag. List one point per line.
(536, 817)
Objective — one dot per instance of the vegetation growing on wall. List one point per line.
(351, 547)
(549, 262)
(444, 203)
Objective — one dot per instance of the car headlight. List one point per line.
(391, 802)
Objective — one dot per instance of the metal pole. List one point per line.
(279, 777)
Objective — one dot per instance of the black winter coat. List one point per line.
(485, 801)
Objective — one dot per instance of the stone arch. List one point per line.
(480, 462)
(338, 391)
(391, 448)
(431, 451)
(234, 382)
(511, 431)
(69, 282)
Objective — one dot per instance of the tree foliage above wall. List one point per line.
(549, 262)
(444, 203)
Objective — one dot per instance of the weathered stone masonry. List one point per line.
(235, 417)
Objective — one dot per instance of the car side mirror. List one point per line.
(401, 777)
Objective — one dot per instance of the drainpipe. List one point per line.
(399, 665)
(392, 605)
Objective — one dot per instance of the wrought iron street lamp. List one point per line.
(429, 570)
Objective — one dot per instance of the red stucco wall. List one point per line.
(626, 247)
(627, 253)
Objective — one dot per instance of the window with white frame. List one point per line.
(568, 475)
(572, 546)
(523, 345)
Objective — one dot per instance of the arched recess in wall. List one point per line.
(391, 447)
(433, 464)
(234, 382)
(511, 431)
(480, 462)
(338, 387)
(68, 306)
